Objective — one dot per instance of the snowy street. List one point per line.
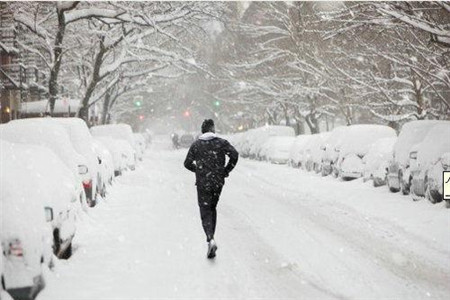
(282, 233)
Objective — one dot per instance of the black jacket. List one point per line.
(209, 157)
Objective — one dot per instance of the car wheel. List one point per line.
(378, 182)
(68, 252)
(391, 188)
(406, 187)
(56, 242)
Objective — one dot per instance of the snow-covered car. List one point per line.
(106, 165)
(53, 183)
(122, 153)
(82, 142)
(35, 215)
(312, 159)
(329, 154)
(377, 159)
(140, 143)
(428, 161)
(116, 131)
(262, 134)
(355, 145)
(278, 152)
(412, 133)
(53, 136)
(297, 150)
(186, 140)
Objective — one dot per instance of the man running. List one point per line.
(206, 157)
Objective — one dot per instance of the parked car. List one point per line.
(377, 160)
(312, 159)
(83, 143)
(262, 134)
(411, 134)
(297, 150)
(116, 131)
(54, 186)
(34, 213)
(278, 152)
(428, 161)
(122, 153)
(53, 136)
(106, 165)
(355, 145)
(329, 154)
(186, 140)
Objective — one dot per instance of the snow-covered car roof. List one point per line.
(434, 145)
(358, 138)
(52, 136)
(411, 133)
(116, 131)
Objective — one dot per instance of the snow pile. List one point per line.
(333, 141)
(42, 106)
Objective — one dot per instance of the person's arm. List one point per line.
(231, 152)
(190, 158)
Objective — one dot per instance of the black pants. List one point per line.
(207, 201)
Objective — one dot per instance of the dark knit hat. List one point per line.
(208, 126)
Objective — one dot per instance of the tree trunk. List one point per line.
(313, 123)
(105, 111)
(57, 52)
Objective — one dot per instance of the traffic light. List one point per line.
(137, 103)
(141, 117)
(186, 114)
(217, 103)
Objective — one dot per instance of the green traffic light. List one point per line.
(217, 103)
(138, 103)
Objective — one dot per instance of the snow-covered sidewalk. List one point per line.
(282, 233)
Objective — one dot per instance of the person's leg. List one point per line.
(215, 201)
(205, 202)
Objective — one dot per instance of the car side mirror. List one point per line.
(48, 214)
(99, 160)
(82, 169)
(413, 155)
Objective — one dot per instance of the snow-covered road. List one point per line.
(282, 233)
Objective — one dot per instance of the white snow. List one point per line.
(42, 106)
(282, 233)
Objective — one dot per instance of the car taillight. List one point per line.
(15, 248)
(87, 184)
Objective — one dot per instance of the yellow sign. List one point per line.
(446, 185)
